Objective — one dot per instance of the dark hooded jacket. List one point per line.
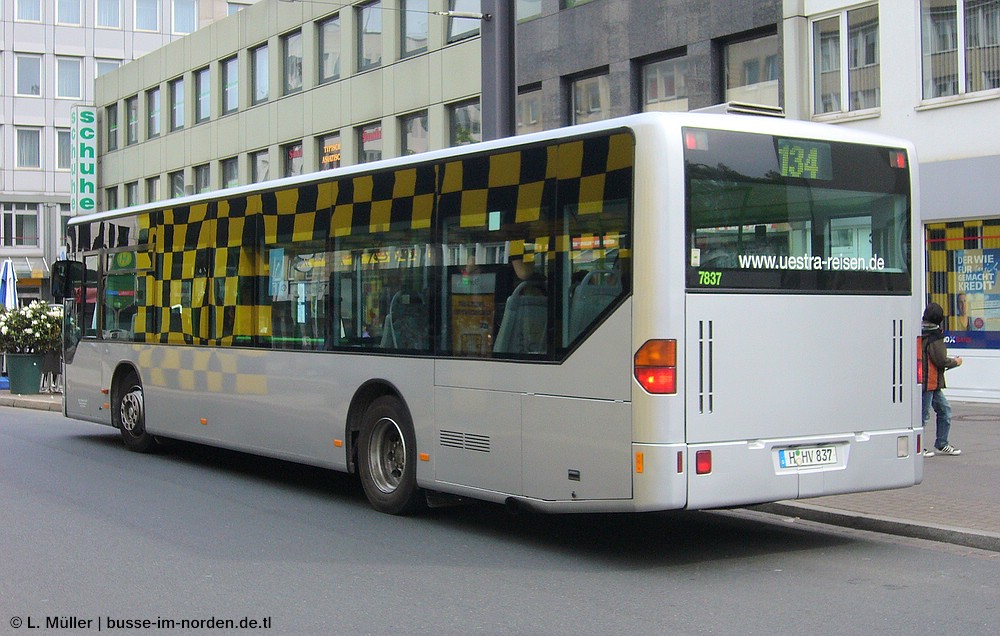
(934, 358)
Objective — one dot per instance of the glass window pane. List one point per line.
(413, 129)
(664, 85)
(111, 125)
(982, 45)
(68, 12)
(864, 82)
(147, 15)
(591, 99)
(68, 82)
(466, 124)
(260, 166)
(230, 85)
(202, 88)
(177, 184)
(109, 13)
(106, 66)
(153, 113)
(230, 172)
(185, 16)
(292, 70)
(292, 155)
(939, 44)
(62, 150)
(29, 148)
(29, 10)
(329, 152)
(370, 143)
(369, 35)
(414, 17)
(132, 120)
(529, 112)
(259, 72)
(459, 28)
(29, 75)
(752, 71)
(177, 104)
(329, 49)
(826, 65)
(202, 178)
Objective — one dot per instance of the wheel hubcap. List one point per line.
(131, 412)
(387, 455)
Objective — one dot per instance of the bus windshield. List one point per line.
(770, 213)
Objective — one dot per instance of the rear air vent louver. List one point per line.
(465, 441)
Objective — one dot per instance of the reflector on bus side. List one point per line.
(655, 366)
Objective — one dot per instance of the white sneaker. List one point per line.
(928, 453)
(949, 450)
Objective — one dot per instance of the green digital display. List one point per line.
(805, 159)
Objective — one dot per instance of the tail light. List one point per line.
(655, 366)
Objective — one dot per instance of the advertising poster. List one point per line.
(975, 301)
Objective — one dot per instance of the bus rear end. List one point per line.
(795, 370)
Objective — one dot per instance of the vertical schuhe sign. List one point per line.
(83, 160)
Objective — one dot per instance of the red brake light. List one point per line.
(655, 366)
(703, 462)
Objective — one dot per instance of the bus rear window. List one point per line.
(769, 213)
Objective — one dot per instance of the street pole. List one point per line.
(499, 92)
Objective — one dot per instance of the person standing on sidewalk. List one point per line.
(935, 362)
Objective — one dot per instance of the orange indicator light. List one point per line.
(638, 462)
(338, 443)
(425, 457)
(204, 421)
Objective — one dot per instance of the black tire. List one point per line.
(129, 415)
(387, 458)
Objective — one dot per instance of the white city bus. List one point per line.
(655, 312)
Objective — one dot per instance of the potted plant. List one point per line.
(27, 334)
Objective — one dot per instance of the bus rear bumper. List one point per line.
(757, 471)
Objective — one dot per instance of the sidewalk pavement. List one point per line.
(958, 501)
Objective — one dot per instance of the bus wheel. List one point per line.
(387, 457)
(130, 416)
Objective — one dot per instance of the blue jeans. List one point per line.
(943, 411)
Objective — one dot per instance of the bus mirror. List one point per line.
(66, 278)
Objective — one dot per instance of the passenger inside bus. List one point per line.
(525, 317)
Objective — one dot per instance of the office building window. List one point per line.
(369, 35)
(260, 166)
(465, 123)
(527, 9)
(153, 127)
(132, 193)
(259, 74)
(68, 12)
(20, 225)
(230, 70)
(152, 189)
(664, 85)
(291, 46)
(111, 198)
(370, 142)
(203, 93)
(235, 7)
(185, 16)
(202, 178)
(68, 71)
(751, 68)
(132, 120)
(413, 16)
(29, 148)
(590, 99)
(29, 10)
(106, 66)
(109, 14)
(147, 15)
(230, 171)
(292, 156)
(29, 74)
(111, 127)
(177, 104)
(62, 149)
(860, 58)
(528, 110)
(329, 49)
(461, 28)
(951, 67)
(329, 151)
(413, 133)
(176, 183)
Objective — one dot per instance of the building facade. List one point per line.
(928, 71)
(50, 53)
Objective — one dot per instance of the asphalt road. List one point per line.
(91, 532)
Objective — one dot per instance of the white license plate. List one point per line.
(806, 456)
